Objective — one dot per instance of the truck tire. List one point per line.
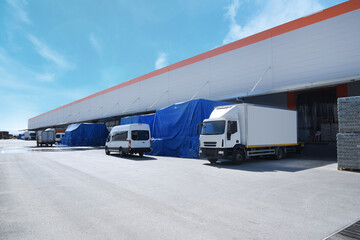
(212, 160)
(107, 152)
(279, 153)
(141, 154)
(238, 156)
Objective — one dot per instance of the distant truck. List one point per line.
(246, 130)
(46, 137)
(58, 137)
(29, 135)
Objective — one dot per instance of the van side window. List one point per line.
(120, 136)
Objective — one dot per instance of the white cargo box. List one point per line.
(261, 126)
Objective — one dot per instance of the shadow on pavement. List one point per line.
(60, 149)
(313, 156)
(133, 157)
(290, 164)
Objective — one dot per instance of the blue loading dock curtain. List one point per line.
(85, 134)
(148, 119)
(174, 132)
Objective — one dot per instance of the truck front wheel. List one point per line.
(238, 156)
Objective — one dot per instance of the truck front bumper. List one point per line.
(215, 153)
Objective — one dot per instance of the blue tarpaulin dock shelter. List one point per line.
(85, 134)
(148, 119)
(174, 131)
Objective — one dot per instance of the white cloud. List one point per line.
(45, 77)
(25, 93)
(15, 75)
(273, 13)
(161, 61)
(95, 42)
(49, 54)
(20, 13)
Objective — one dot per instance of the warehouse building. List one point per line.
(305, 65)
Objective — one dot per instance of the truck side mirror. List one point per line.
(228, 135)
(197, 128)
(233, 127)
(228, 132)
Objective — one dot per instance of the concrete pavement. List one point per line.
(80, 193)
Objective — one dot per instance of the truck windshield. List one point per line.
(213, 128)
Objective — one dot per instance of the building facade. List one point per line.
(305, 64)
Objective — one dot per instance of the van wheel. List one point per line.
(212, 160)
(279, 153)
(122, 152)
(238, 156)
(141, 154)
(107, 152)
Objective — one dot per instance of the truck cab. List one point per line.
(218, 137)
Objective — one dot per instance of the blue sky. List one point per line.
(55, 52)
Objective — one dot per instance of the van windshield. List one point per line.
(213, 128)
(140, 135)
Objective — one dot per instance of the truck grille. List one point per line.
(210, 144)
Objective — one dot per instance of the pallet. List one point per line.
(348, 169)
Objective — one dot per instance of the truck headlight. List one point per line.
(221, 152)
(200, 151)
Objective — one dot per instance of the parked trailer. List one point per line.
(246, 130)
(46, 137)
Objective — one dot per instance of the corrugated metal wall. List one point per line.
(324, 50)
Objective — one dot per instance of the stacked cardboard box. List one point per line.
(348, 138)
(349, 114)
(348, 149)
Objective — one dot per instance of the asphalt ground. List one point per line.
(80, 193)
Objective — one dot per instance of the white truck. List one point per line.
(246, 130)
(29, 135)
(46, 137)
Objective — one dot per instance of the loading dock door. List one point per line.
(317, 112)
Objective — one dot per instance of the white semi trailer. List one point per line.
(246, 130)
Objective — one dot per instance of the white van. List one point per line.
(129, 139)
